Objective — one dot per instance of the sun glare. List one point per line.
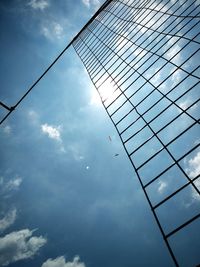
(107, 91)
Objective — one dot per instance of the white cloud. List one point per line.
(194, 166)
(193, 170)
(19, 245)
(13, 184)
(38, 4)
(93, 3)
(162, 186)
(7, 129)
(176, 77)
(61, 262)
(33, 116)
(185, 104)
(74, 149)
(10, 185)
(197, 2)
(195, 195)
(156, 79)
(52, 31)
(86, 2)
(52, 132)
(174, 50)
(8, 220)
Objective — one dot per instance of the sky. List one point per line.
(66, 200)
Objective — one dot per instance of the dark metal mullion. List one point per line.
(96, 21)
(95, 61)
(109, 53)
(100, 63)
(170, 142)
(172, 165)
(143, 41)
(103, 53)
(142, 128)
(114, 23)
(154, 133)
(174, 193)
(134, 34)
(151, 48)
(111, 76)
(86, 58)
(160, 56)
(103, 14)
(155, 102)
(84, 47)
(121, 30)
(144, 26)
(167, 150)
(87, 35)
(97, 46)
(183, 225)
(106, 45)
(136, 169)
(163, 126)
(146, 111)
(159, 11)
(87, 68)
(168, 61)
(5, 106)
(156, 87)
(146, 195)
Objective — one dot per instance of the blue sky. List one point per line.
(66, 200)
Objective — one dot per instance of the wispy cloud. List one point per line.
(10, 185)
(53, 132)
(61, 262)
(91, 3)
(186, 103)
(38, 4)
(13, 184)
(174, 52)
(193, 170)
(176, 77)
(162, 186)
(7, 129)
(8, 220)
(19, 245)
(86, 3)
(194, 166)
(74, 149)
(52, 31)
(197, 2)
(33, 117)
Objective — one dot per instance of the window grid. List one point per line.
(139, 55)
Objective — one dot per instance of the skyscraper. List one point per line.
(143, 58)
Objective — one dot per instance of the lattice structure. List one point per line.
(143, 58)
